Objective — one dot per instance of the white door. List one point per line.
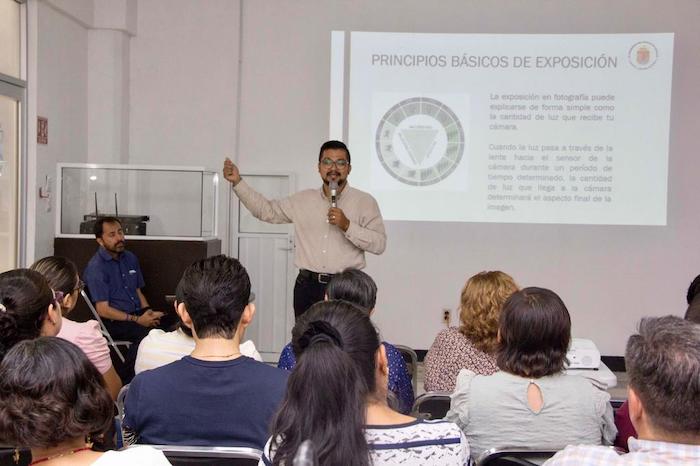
(11, 99)
(267, 252)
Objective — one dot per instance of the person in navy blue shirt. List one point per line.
(357, 287)
(114, 281)
(215, 396)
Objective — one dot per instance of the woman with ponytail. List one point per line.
(336, 397)
(62, 275)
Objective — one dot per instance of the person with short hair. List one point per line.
(336, 397)
(530, 402)
(215, 396)
(53, 400)
(356, 287)
(663, 364)
(473, 344)
(62, 275)
(329, 237)
(114, 280)
(693, 298)
(625, 429)
(160, 347)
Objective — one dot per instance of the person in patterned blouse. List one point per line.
(472, 345)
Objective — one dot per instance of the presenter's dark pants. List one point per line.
(309, 288)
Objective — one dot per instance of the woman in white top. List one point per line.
(530, 402)
(336, 397)
(53, 401)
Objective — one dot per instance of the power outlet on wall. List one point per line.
(446, 316)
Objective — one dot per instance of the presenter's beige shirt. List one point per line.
(320, 246)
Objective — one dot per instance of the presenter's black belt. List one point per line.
(319, 277)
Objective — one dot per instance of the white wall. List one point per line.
(184, 77)
(184, 110)
(608, 276)
(62, 65)
(80, 51)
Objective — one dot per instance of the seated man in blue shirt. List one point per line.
(114, 281)
(215, 396)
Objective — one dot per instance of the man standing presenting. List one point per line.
(334, 225)
(114, 280)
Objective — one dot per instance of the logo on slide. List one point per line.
(643, 55)
(420, 141)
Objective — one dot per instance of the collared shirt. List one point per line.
(320, 246)
(115, 280)
(642, 453)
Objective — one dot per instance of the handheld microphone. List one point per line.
(333, 186)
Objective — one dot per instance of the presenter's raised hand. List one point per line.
(150, 318)
(336, 216)
(231, 172)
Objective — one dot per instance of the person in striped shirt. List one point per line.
(337, 398)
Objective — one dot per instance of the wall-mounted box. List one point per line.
(154, 202)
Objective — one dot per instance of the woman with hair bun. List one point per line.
(53, 401)
(531, 402)
(29, 308)
(337, 398)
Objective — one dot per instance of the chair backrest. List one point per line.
(10, 456)
(431, 405)
(617, 402)
(105, 332)
(411, 359)
(514, 457)
(179, 455)
(121, 397)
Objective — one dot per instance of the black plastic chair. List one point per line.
(514, 457)
(14, 457)
(210, 456)
(411, 359)
(431, 405)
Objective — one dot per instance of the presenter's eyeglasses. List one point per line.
(328, 163)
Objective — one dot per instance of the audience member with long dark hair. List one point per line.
(336, 397)
(473, 344)
(53, 401)
(62, 275)
(29, 308)
(530, 402)
(355, 286)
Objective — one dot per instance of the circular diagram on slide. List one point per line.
(420, 141)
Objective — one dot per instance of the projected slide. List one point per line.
(506, 128)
